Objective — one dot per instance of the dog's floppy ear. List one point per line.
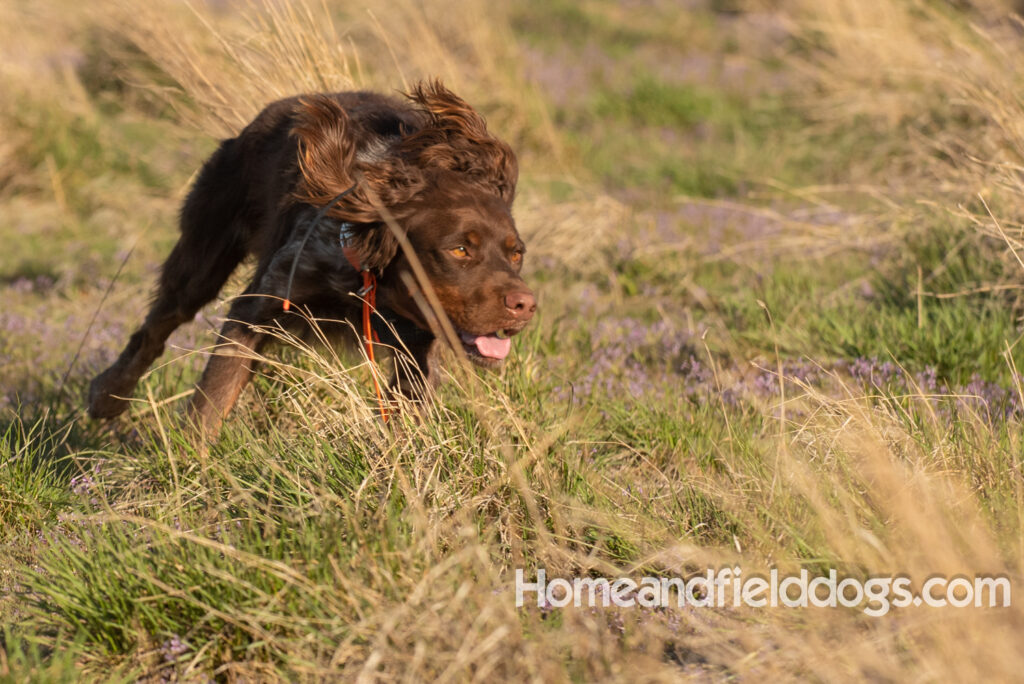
(327, 150)
(328, 165)
(456, 139)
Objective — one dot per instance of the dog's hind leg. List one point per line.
(212, 244)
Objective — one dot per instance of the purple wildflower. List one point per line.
(173, 648)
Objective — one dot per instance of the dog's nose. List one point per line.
(521, 305)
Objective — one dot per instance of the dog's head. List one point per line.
(448, 186)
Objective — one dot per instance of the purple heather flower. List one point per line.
(928, 380)
(82, 484)
(873, 372)
(766, 383)
(173, 648)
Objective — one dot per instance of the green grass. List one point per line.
(34, 484)
(958, 337)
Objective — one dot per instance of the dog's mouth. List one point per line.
(486, 350)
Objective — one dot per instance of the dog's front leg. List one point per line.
(416, 371)
(227, 373)
(236, 355)
(233, 361)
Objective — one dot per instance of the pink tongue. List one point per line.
(493, 347)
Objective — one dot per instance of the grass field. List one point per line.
(778, 249)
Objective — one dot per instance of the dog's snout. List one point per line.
(521, 304)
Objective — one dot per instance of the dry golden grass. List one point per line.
(947, 81)
(850, 478)
(229, 64)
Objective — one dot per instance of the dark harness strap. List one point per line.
(388, 327)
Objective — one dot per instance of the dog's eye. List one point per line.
(516, 257)
(459, 252)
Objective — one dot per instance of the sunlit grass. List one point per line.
(814, 365)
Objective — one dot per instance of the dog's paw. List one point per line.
(106, 394)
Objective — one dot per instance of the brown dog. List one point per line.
(427, 164)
